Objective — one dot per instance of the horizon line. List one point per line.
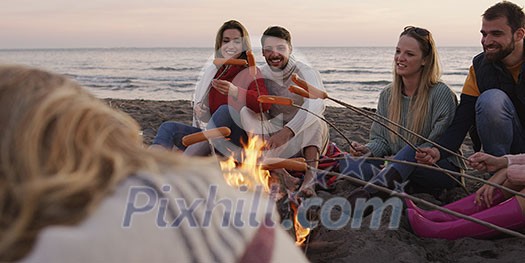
(160, 47)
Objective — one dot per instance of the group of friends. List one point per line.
(68, 161)
(492, 99)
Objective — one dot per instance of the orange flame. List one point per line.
(300, 232)
(251, 174)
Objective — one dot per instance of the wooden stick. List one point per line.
(317, 93)
(304, 93)
(502, 187)
(289, 102)
(421, 201)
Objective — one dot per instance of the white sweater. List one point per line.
(118, 232)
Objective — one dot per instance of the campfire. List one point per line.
(254, 170)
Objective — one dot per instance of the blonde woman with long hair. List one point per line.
(419, 101)
(78, 185)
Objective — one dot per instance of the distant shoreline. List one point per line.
(255, 47)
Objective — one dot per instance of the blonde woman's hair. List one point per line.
(233, 24)
(61, 151)
(430, 75)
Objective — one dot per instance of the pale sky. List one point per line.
(194, 23)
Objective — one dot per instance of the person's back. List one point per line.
(78, 185)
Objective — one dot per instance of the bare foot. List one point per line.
(308, 187)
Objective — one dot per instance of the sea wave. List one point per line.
(175, 69)
(370, 82)
(459, 73)
(353, 71)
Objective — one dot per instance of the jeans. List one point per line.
(498, 124)
(423, 179)
(420, 179)
(170, 133)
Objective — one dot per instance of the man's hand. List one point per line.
(279, 138)
(427, 156)
(358, 149)
(484, 162)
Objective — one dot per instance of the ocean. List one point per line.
(355, 75)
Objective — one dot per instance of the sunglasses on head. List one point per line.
(418, 30)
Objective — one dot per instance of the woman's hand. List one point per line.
(202, 112)
(428, 156)
(358, 149)
(484, 162)
(225, 87)
(484, 195)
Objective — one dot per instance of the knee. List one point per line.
(222, 116)
(492, 101)
(167, 127)
(223, 108)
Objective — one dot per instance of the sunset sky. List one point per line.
(193, 23)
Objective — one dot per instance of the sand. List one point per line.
(364, 244)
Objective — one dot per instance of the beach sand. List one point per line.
(364, 244)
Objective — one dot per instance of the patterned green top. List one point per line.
(442, 106)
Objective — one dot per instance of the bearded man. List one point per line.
(492, 103)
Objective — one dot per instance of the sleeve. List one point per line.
(471, 85)
(250, 90)
(379, 143)
(303, 119)
(464, 118)
(518, 159)
(443, 103)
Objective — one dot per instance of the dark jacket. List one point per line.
(489, 75)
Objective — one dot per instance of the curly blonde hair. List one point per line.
(61, 151)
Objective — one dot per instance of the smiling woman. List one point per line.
(220, 93)
(418, 100)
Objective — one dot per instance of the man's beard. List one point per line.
(500, 55)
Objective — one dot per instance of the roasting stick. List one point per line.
(309, 91)
(314, 92)
(199, 137)
(421, 201)
(252, 67)
(502, 187)
(302, 92)
(219, 62)
(270, 99)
